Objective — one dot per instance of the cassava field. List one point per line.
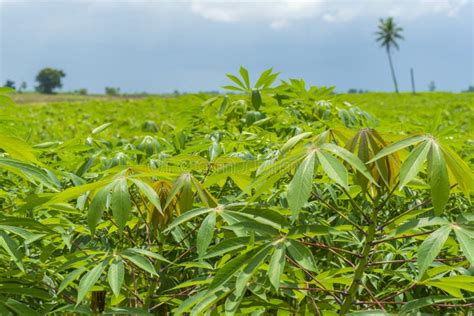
(279, 199)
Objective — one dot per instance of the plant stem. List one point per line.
(352, 293)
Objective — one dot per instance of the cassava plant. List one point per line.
(278, 200)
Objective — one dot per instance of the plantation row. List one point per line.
(283, 200)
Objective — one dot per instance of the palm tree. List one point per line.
(387, 36)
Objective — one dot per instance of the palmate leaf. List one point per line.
(441, 161)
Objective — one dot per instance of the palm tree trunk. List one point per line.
(393, 71)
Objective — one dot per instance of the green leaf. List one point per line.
(140, 261)
(466, 241)
(350, 158)
(17, 148)
(68, 279)
(430, 248)
(187, 217)
(226, 246)
(299, 189)
(256, 99)
(29, 172)
(390, 149)
(11, 247)
(277, 265)
(97, 207)
(116, 275)
(310, 231)
(225, 273)
(120, 203)
(237, 81)
(262, 216)
(250, 269)
(99, 129)
(461, 171)
(412, 165)
(439, 180)
(245, 75)
(150, 194)
(333, 168)
(425, 301)
(301, 255)
(89, 279)
(206, 233)
(233, 88)
(74, 192)
(147, 253)
(290, 143)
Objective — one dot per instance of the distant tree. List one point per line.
(23, 86)
(82, 91)
(111, 91)
(387, 36)
(49, 79)
(470, 89)
(432, 86)
(352, 91)
(10, 84)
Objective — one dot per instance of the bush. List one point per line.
(111, 91)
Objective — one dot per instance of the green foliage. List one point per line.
(112, 91)
(284, 199)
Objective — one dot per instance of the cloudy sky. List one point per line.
(160, 46)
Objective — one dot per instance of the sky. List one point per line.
(189, 46)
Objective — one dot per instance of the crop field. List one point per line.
(278, 199)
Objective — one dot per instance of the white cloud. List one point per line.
(281, 13)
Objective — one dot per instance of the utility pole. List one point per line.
(412, 81)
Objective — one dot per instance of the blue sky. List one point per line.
(160, 46)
